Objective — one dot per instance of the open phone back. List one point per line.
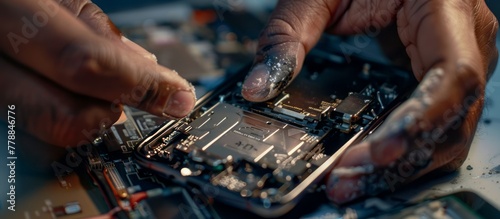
(263, 157)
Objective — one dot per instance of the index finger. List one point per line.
(47, 38)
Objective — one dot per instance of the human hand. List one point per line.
(451, 45)
(68, 71)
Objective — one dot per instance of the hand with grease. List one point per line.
(67, 70)
(451, 46)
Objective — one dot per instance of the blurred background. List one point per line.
(205, 40)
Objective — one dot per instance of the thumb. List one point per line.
(293, 29)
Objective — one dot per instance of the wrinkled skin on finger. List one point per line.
(451, 47)
(69, 71)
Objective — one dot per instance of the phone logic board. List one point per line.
(264, 156)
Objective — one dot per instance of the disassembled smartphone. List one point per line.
(263, 157)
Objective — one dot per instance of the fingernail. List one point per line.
(265, 81)
(256, 85)
(179, 104)
(269, 77)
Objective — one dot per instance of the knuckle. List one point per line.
(492, 55)
(78, 62)
(92, 14)
(279, 29)
(293, 17)
(469, 76)
(487, 23)
(92, 10)
(494, 24)
(74, 6)
(148, 93)
(283, 24)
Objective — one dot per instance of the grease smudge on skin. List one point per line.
(272, 73)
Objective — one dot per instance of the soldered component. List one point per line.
(94, 162)
(231, 131)
(115, 181)
(69, 208)
(349, 111)
(123, 136)
(262, 156)
(62, 182)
